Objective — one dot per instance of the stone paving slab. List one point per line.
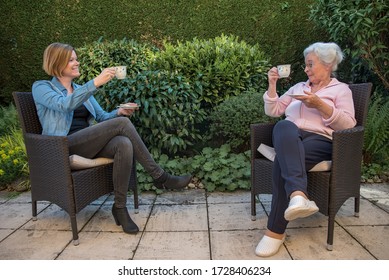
(190, 225)
(310, 244)
(174, 245)
(34, 245)
(178, 218)
(375, 239)
(234, 216)
(102, 245)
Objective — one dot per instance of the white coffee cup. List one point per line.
(121, 72)
(283, 70)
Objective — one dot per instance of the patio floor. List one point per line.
(190, 225)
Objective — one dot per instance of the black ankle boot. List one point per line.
(122, 218)
(167, 181)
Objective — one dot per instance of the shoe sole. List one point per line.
(298, 212)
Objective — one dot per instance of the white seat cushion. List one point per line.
(78, 162)
(269, 153)
(324, 165)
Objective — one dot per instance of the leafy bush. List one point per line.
(362, 27)
(8, 119)
(102, 54)
(169, 112)
(376, 136)
(13, 159)
(231, 119)
(219, 67)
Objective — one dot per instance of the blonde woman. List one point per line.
(68, 109)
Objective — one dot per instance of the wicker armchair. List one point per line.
(50, 174)
(329, 189)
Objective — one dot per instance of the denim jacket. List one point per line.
(55, 107)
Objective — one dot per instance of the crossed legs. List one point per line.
(296, 152)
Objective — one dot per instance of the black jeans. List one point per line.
(296, 152)
(117, 139)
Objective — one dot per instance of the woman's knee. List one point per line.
(122, 145)
(126, 125)
(118, 145)
(122, 121)
(285, 124)
(285, 128)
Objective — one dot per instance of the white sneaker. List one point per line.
(268, 246)
(300, 207)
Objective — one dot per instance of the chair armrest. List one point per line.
(47, 155)
(50, 174)
(260, 133)
(347, 150)
(347, 146)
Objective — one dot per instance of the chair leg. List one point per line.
(73, 222)
(34, 210)
(253, 208)
(330, 234)
(356, 206)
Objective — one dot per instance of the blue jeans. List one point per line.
(117, 139)
(296, 152)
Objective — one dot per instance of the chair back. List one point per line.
(361, 96)
(27, 113)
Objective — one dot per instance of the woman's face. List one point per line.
(71, 70)
(316, 70)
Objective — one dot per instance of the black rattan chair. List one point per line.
(329, 189)
(50, 174)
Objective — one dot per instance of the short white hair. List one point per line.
(328, 53)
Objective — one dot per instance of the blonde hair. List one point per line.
(328, 53)
(56, 57)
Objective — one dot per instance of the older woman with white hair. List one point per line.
(313, 110)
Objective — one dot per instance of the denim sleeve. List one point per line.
(102, 115)
(47, 95)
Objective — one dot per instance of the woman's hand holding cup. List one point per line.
(272, 75)
(105, 76)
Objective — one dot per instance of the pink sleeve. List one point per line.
(343, 115)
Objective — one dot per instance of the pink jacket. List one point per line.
(336, 94)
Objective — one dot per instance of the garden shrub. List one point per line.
(376, 136)
(13, 159)
(8, 119)
(231, 119)
(220, 67)
(362, 28)
(169, 109)
(102, 54)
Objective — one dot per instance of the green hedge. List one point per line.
(282, 29)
